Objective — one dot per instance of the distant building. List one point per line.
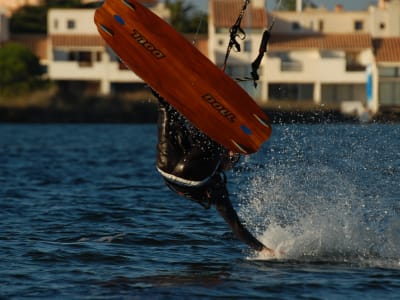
(320, 56)
(386, 41)
(80, 58)
(315, 55)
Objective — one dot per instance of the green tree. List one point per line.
(62, 3)
(29, 19)
(33, 19)
(286, 5)
(185, 19)
(291, 4)
(20, 70)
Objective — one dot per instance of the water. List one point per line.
(326, 196)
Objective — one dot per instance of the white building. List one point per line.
(314, 56)
(222, 15)
(79, 56)
(321, 56)
(386, 33)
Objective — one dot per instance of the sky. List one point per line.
(329, 4)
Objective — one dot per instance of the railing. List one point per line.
(291, 66)
(355, 68)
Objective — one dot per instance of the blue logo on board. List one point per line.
(246, 129)
(119, 19)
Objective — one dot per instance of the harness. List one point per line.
(205, 194)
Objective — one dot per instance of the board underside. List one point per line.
(183, 76)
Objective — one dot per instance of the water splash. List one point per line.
(314, 211)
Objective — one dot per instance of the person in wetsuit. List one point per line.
(193, 166)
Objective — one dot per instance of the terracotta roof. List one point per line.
(77, 40)
(387, 49)
(320, 41)
(225, 13)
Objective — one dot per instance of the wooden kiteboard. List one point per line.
(182, 75)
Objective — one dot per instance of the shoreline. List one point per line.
(51, 107)
(146, 112)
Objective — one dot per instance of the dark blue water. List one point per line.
(326, 196)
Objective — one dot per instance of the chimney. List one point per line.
(339, 8)
(299, 5)
(382, 4)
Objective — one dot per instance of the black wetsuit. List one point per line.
(192, 165)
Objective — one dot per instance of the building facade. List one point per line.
(79, 57)
(315, 55)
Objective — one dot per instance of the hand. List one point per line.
(271, 253)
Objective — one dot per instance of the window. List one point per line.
(291, 66)
(296, 26)
(389, 93)
(293, 92)
(247, 46)
(389, 72)
(55, 24)
(352, 62)
(337, 93)
(98, 56)
(321, 25)
(83, 58)
(358, 25)
(382, 26)
(71, 24)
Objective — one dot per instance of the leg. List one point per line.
(172, 137)
(220, 199)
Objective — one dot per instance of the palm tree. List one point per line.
(184, 19)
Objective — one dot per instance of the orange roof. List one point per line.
(387, 49)
(77, 40)
(225, 13)
(320, 41)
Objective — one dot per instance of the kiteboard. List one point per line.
(182, 75)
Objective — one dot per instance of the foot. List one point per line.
(267, 252)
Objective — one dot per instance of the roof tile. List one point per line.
(225, 13)
(387, 49)
(321, 41)
(77, 40)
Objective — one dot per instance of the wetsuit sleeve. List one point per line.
(226, 210)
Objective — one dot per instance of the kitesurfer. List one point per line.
(193, 166)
